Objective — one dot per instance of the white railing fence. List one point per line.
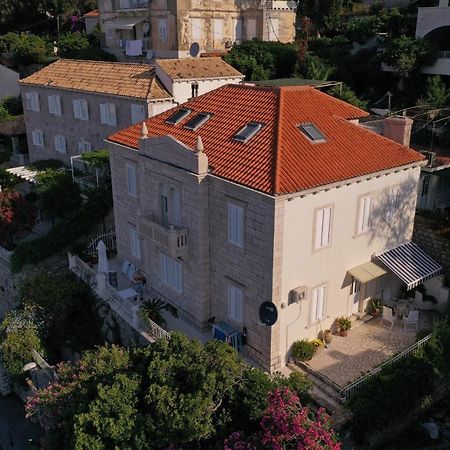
(350, 390)
(109, 239)
(377, 126)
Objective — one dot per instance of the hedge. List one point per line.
(65, 232)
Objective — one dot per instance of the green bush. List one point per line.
(13, 105)
(97, 158)
(303, 350)
(92, 54)
(29, 49)
(44, 164)
(69, 44)
(64, 232)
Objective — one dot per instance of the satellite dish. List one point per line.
(194, 49)
(268, 313)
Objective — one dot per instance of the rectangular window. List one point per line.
(322, 233)
(393, 204)
(80, 109)
(54, 105)
(171, 272)
(318, 303)
(272, 25)
(131, 179)
(237, 30)
(250, 28)
(196, 29)
(162, 26)
(37, 138)
(108, 114)
(32, 101)
(364, 214)
(135, 242)
(138, 113)
(84, 147)
(218, 29)
(235, 303)
(236, 224)
(60, 143)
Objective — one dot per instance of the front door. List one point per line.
(355, 295)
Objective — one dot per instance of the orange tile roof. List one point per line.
(279, 159)
(188, 68)
(93, 13)
(128, 80)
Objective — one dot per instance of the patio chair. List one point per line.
(412, 319)
(388, 316)
(418, 301)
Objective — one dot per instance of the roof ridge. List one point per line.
(112, 63)
(277, 141)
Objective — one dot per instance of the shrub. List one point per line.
(152, 309)
(97, 158)
(303, 350)
(29, 49)
(69, 44)
(13, 105)
(44, 164)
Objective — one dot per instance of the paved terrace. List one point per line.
(365, 348)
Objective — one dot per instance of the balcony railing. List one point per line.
(444, 54)
(173, 240)
(119, 5)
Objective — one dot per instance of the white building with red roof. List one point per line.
(268, 212)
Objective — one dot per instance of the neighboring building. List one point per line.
(91, 21)
(14, 130)
(142, 29)
(253, 194)
(433, 24)
(8, 82)
(72, 105)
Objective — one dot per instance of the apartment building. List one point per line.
(70, 106)
(139, 29)
(247, 195)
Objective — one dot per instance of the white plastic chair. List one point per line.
(388, 316)
(412, 319)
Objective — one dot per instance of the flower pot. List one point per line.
(343, 333)
(375, 313)
(327, 336)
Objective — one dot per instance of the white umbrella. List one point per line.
(102, 258)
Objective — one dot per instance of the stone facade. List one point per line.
(214, 25)
(277, 254)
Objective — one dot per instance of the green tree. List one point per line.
(436, 92)
(4, 113)
(13, 105)
(71, 43)
(407, 54)
(8, 180)
(346, 94)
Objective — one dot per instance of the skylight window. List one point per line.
(247, 132)
(311, 132)
(178, 116)
(197, 121)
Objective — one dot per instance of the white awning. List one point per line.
(124, 23)
(367, 272)
(23, 172)
(411, 264)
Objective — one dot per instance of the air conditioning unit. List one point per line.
(298, 294)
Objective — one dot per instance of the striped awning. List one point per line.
(411, 264)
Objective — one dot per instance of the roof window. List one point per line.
(197, 121)
(247, 132)
(311, 132)
(178, 116)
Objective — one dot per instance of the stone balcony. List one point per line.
(173, 240)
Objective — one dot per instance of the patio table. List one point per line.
(128, 294)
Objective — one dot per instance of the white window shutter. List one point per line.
(326, 227)
(314, 298)
(103, 113)
(320, 302)
(137, 113)
(58, 110)
(36, 105)
(29, 101)
(84, 112)
(318, 230)
(131, 179)
(113, 115)
(367, 205)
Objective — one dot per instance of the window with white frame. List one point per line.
(80, 109)
(196, 29)
(131, 179)
(32, 101)
(236, 224)
(322, 227)
(272, 28)
(218, 29)
(171, 272)
(237, 30)
(84, 147)
(108, 114)
(393, 203)
(54, 105)
(37, 137)
(138, 113)
(60, 143)
(235, 303)
(365, 204)
(250, 28)
(135, 241)
(318, 303)
(162, 27)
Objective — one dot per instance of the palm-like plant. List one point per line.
(152, 309)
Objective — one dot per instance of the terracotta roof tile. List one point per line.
(187, 68)
(128, 80)
(280, 159)
(93, 13)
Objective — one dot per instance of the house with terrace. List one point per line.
(70, 106)
(266, 213)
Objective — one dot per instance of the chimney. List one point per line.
(398, 129)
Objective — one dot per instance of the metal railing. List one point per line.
(109, 239)
(347, 392)
(444, 54)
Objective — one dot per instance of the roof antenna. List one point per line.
(144, 131)
(199, 145)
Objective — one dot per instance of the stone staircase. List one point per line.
(325, 394)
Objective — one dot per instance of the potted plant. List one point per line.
(343, 324)
(326, 336)
(152, 309)
(375, 306)
(303, 350)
